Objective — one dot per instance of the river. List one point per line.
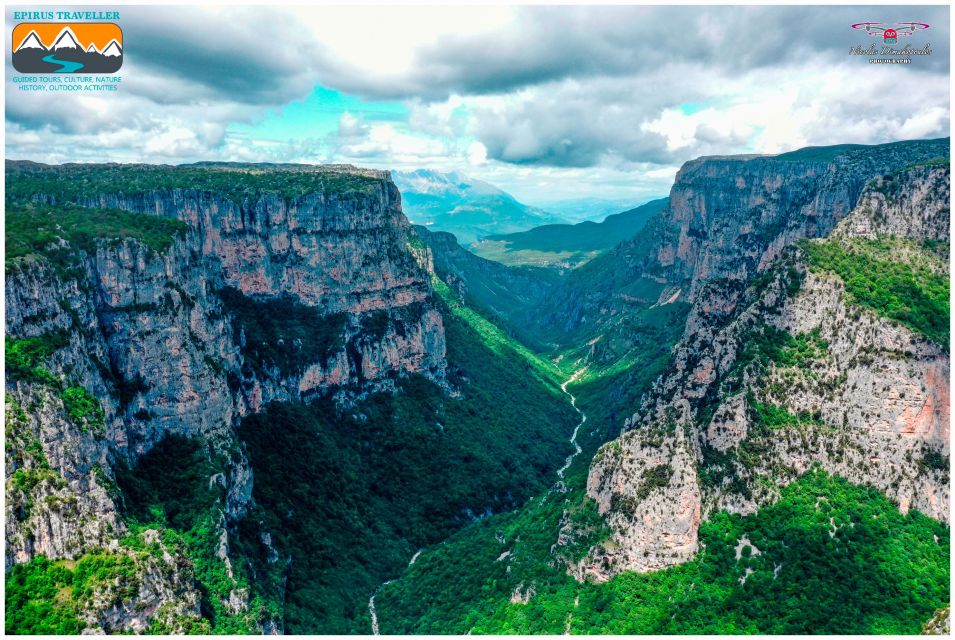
(583, 419)
(371, 600)
(560, 474)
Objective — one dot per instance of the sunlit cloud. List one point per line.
(542, 101)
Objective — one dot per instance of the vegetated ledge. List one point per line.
(813, 562)
(831, 152)
(910, 294)
(281, 332)
(35, 229)
(238, 182)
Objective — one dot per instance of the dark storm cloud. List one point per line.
(553, 43)
(250, 56)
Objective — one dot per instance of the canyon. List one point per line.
(224, 380)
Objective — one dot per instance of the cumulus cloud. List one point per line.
(524, 96)
(477, 154)
(601, 121)
(535, 45)
(248, 55)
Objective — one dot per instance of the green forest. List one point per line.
(47, 597)
(376, 475)
(240, 183)
(34, 229)
(829, 557)
(906, 290)
(282, 332)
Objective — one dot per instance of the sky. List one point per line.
(544, 102)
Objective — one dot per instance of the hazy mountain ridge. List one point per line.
(567, 246)
(466, 207)
(591, 209)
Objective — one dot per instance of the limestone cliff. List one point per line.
(940, 624)
(510, 293)
(283, 282)
(728, 218)
(781, 366)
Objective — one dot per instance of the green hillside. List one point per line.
(878, 572)
(567, 245)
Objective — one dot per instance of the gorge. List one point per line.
(239, 397)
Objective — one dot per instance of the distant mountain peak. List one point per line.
(443, 182)
(563, 246)
(462, 205)
(92, 49)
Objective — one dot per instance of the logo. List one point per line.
(890, 35)
(67, 47)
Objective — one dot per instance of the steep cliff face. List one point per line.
(728, 218)
(833, 356)
(510, 293)
(276, 283)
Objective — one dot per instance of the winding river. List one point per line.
(560, 474)
(371, 600)
(583, 419)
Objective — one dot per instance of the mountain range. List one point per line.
(468, 208)
(583, 209)
(566, 245)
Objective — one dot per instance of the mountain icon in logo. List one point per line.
(75, 47)
(66, 40)
(32, 41)
(113, 49)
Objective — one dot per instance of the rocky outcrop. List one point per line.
(940, 624)
(155, 339)
(913, 204)
(650, 500)
(55, 502)
(155, 593)
(835, 385)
